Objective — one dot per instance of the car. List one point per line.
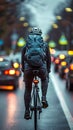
(69, 77)
(62, 69)
(17, 66)
(58, 59)
(54, 55)
(9, 76)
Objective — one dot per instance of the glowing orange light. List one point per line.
(66, 70)
(36, 81)
(17, 72)
(7, 87)
(6, 72)
(57, 61)
(71, 67)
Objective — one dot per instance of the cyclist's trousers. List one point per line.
(28, 78)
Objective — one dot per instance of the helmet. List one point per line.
(36, 30)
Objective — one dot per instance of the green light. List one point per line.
(52, 44)
(21, 42)
(63, 40)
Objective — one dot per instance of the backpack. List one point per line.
(35, 51)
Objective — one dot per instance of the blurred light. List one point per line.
(7, 87)
(1, 59)
(11, 107)
(12, 72)
(25, 24)
(63, 40)
(57, 61)
(59, 17)
(71, 67)
(22, 18)
(21, 42)
(70, 52)
(66, 70)
(52, 51)
(55, 25)
(62, 56)
(17, 72)
(6, 72)
(16, 65)
(52, 44)
(63, 63)
(68, 10)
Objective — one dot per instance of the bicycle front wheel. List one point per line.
(35, 109)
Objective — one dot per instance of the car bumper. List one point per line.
(8, 83)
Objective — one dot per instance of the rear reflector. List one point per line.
(35, 81)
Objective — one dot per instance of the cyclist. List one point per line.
(27, 70)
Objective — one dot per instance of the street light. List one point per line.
(58, 17)
(68, 9)
(22, 18)
(55, 25)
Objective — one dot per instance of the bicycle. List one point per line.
(35, 104)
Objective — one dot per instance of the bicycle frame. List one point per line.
(36, 107)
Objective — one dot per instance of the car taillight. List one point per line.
(66, 70)
(6, 72)
(10, 72)
(56, 61)
(17, 72)
(71, 67)
(63, 63)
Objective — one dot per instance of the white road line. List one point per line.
(62, 102)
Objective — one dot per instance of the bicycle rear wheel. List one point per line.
(35, 109)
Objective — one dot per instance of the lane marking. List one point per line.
(62, 102)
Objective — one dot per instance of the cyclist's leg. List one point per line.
(27, 95)
(44, 86)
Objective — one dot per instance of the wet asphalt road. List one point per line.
(12, 111)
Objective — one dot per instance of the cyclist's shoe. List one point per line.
(27, 115)
(44, 103)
